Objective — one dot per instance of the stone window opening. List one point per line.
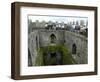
(74, 48)
(36, 42)
(53, 38)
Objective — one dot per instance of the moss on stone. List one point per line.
(66, 56)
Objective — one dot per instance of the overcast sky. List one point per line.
(64, 19)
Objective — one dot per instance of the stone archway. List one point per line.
(53, 38)
(52, 58)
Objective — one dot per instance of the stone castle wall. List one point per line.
(81, 45)
(39, 38)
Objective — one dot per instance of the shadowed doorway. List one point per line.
(53, 58)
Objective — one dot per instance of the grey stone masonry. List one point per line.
(38, 38)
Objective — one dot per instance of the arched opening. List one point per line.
(29, 58)
(36, 42)
(52, 58)
(74, 48)
(52, 38)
